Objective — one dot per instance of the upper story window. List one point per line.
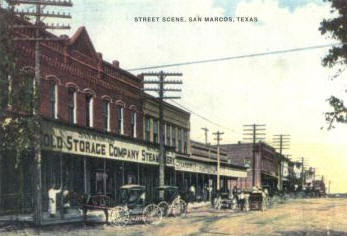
(89, 110)
(133, 124)
(168, 136)
(174, 136)
(72, 105)
(147, 129)
(54, 100)
(155, 131)
(185, 141)
(179, 139)
(120, 119)
(106, 115)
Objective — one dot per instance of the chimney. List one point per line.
(99, 55)
(115, 63)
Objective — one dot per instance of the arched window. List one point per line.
(106, 115)
(72, 96)
(148, 129)
(120, 119)
(53, 93)
(133, 123)
(89, 110)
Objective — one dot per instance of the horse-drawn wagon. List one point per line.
(170, 201)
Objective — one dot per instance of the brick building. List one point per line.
(206, 156)
(99, 131)
(266, 167)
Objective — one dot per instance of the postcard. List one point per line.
(173, 117)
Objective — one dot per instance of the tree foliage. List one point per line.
(17, 125)
(336, 28)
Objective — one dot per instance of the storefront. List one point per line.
(203, 176)
(85, 161)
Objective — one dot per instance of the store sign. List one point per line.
(88, 143)
(197, 167)
(192, 166)
(285, 171)
(226, 171)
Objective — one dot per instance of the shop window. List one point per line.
(185, 141)
(72, 106)
(174, 136)
(155, 132)
(120, 119)
(100, 177)
(106, 115)
(147, 129)
(89, 110)
(179, 139)
(54, 100)
(133, 124)
(168, 137)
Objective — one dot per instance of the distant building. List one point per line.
(265, 168)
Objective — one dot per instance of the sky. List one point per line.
(287, 92)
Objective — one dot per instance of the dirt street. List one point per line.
(295, 217)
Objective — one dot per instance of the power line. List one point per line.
(202, 117)
(236, 57)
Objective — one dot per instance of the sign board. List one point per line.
(88, 143)
(70, 140)
(211, 169)
(285, 171)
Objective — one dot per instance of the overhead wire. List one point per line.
(201, 116)
(236, 57)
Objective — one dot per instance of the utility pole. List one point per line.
(206, 141)
(256, 133)
(38, 13)
(302, 173)
(161, 82)
(329, 186)
(205, 131)
(218, 138)
(281, 142)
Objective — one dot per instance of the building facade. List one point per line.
(264, 168)
(98, 131)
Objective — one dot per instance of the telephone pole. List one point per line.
(218, 138)
(161, 82)
(329, 186)
(38, 26)
(281, 142)
(302, 172)
(205, 131)
(254, 132)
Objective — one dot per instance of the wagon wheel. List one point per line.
(119, 216)
(247, 204)
(152, 214)
(264, 204)
(164, 207)
(179, 208)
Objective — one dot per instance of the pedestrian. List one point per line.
(52, 197)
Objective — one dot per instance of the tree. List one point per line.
(15, 92)
(336, 28)
(17, 125)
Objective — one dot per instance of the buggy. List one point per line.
(224, 201)
(170, 202)
(134, 207)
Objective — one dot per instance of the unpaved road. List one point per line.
(295, 217)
